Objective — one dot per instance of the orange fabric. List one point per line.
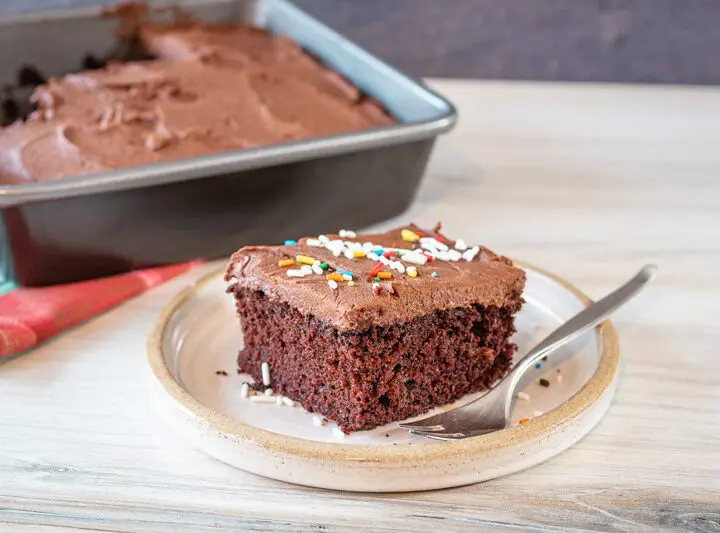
(30, 316)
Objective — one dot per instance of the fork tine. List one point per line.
(449, 435)
(438, 436)
(438, 422)
(421, 427)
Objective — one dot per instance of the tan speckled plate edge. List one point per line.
(260, 441)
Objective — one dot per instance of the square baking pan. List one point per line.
(95, 225)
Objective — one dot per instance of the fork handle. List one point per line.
(584, 320)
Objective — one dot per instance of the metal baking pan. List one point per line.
(206, 207)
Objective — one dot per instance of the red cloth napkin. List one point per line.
(29, 316)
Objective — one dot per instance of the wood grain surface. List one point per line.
(590, 182)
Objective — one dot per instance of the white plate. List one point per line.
(198, 336)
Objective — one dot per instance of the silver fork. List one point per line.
(491, 411)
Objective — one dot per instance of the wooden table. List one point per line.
(588, 181)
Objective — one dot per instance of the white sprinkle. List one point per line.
(431, 242)
(454, 255)
(397, 265)
(351, 234)
(442, 256)
(262, 399)
(537, 413)
(522, 396)
(460, 245)
(373, 256)
(278, 400)
(411, 269)
(313, 242)
(417, 259)
(470, 254)
(268, 392)
(353, 245)
(332, 284)
(244, 390)
(265, 369)
(375, 286)
(323, 239)
(349, 254)
(347, 277)
(336, 247)
(287, 401)
(306, 269)
(317, 421)
(558, 378)
(384, 260)
(341, 233)
(293, 273)
(338, 433)
(316, 268)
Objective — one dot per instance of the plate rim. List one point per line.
(588, 395)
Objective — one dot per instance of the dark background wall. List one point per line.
(647, 41)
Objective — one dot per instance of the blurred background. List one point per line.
(645, 41)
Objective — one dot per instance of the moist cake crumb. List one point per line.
(361, 358)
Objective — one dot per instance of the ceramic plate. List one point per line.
(196, 340)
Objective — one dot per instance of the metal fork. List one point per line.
(491, 411)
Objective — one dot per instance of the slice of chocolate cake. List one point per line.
(371, 329)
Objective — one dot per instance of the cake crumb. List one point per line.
(221, 373)
(544, 382)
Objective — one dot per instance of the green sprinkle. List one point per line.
(377, 279)
(324, 266)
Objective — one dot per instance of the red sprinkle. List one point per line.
(374, 270)
(390, 254)
(429, 257)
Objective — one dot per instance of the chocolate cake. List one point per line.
(371, 329)
(209, 89)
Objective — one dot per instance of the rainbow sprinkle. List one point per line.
(305, 260)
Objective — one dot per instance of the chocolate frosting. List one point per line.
(487, 280)
(214, 88)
